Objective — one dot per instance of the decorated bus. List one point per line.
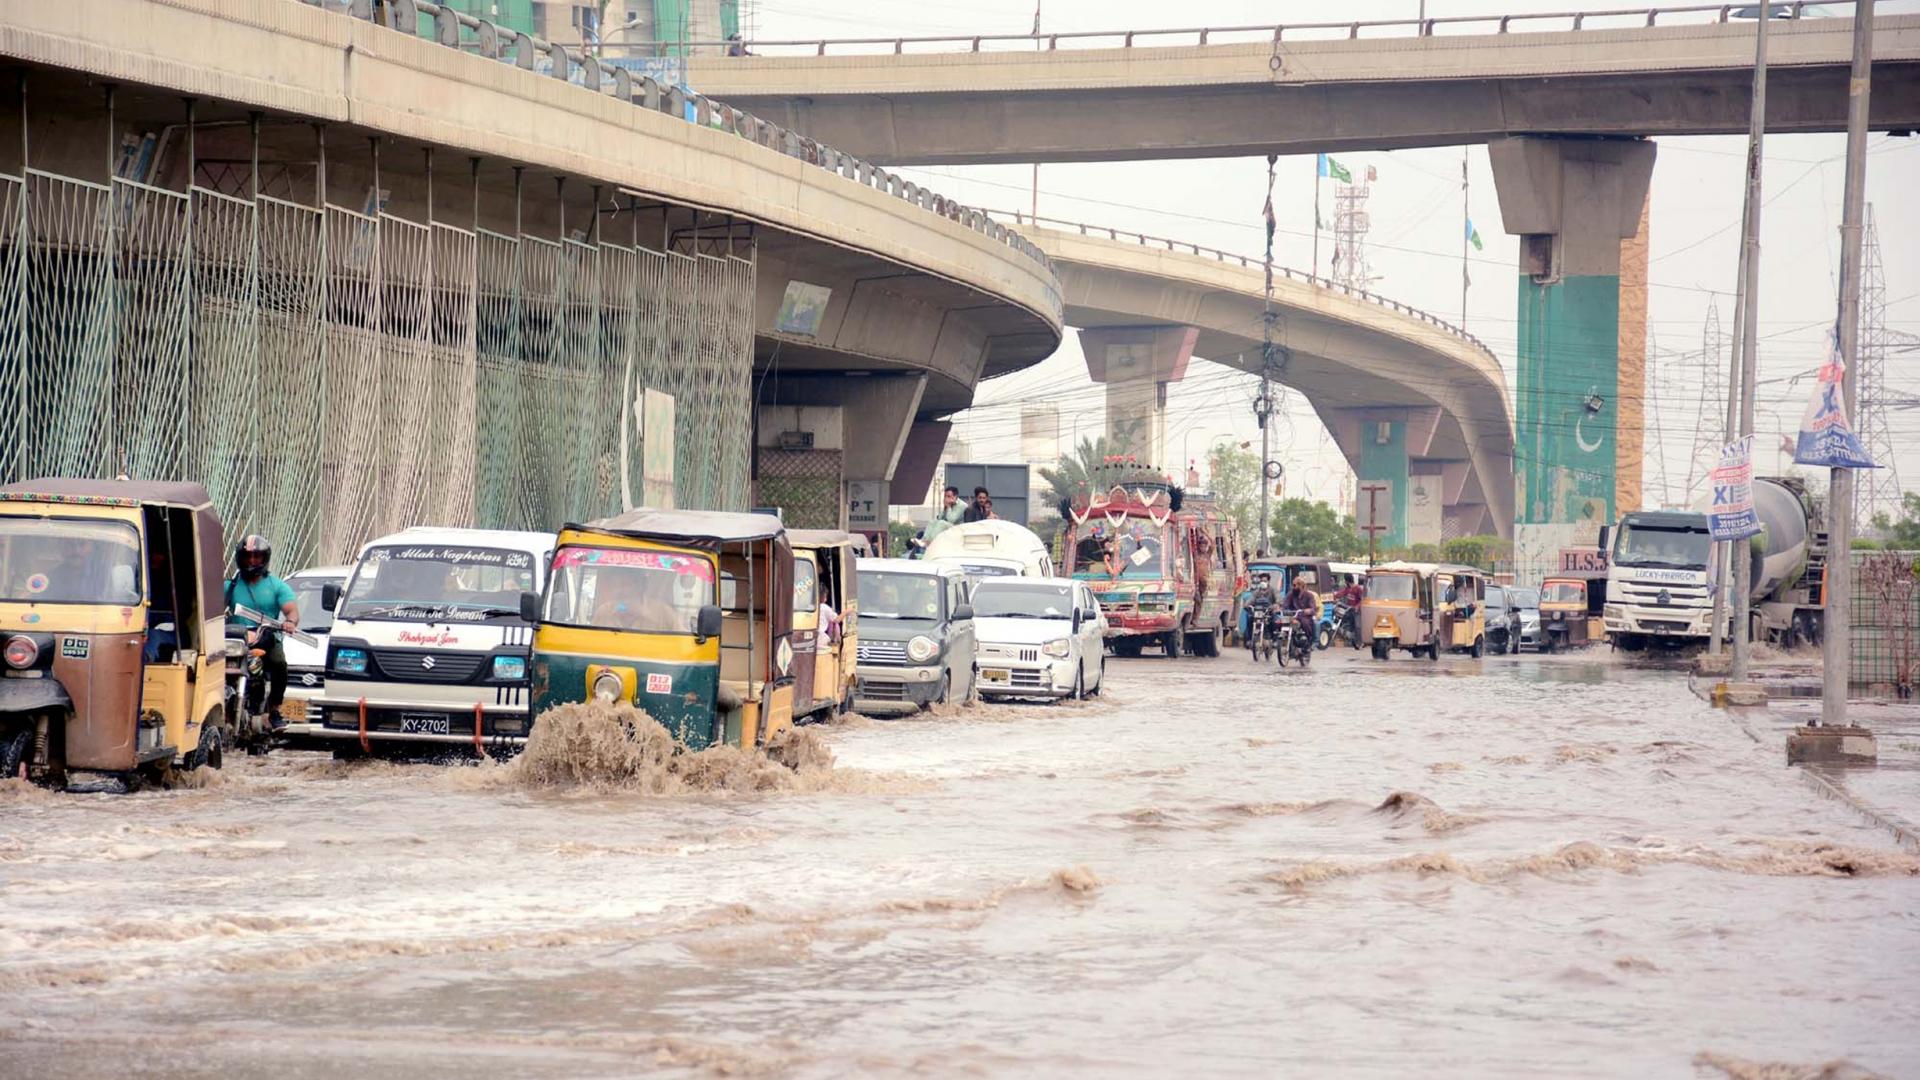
(1165, 566)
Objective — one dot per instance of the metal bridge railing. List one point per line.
(588, 70)
(1248, 261)
(1612, 18)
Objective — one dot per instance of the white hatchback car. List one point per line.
(1039, 637)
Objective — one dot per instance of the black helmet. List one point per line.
(251, 556)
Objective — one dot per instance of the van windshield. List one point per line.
(1007, 600)
(438, 583)
(1390, 587)
(623, 589)
(69, 561)
(314, 616)
(899, 596)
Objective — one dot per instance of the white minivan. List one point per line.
(992, 548)
(428, 646)
(1039, 637)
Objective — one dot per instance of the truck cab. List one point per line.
(1658, 579)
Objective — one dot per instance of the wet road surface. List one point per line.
(1529, 866)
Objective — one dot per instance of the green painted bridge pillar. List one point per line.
(1380, 443)
(1571, 202)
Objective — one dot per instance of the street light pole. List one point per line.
(1836, 644)
(1749, 332)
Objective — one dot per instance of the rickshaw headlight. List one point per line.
(1559, 615)
(1057, 647)
(21, 652)
(922, 649)
(510, 668)
(350, 661)
(607, 687)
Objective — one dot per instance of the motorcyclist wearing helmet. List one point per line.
(254, 587)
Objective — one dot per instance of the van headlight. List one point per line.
(922, 649)
(510, 668)
(350, 661)
(1057, 647)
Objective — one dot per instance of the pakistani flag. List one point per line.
(1330, 167)
(1473, 236)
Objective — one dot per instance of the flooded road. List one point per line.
(1556, 866)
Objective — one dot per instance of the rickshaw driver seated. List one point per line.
(254, 587)
(635, 601)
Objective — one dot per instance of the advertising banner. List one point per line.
(1826, 440)
(1731, 516)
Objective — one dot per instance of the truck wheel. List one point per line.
(1171, 642)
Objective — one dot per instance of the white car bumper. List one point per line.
(1658, 621)
(1019, 678)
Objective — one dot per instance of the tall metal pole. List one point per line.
(1263, 405)
(1749, 333)
(1836, 644)
(1466, 219)
(1722, 569)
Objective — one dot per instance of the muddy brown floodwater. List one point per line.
(1523, 867)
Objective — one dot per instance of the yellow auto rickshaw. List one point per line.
(1397, 611)
(1563, 614)
(686, 614)
(1462, 612)
(113, 632)
(825, 620)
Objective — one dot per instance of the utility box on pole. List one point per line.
(1006, 485)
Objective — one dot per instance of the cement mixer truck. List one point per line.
(1662, 561)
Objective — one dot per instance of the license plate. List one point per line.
(995, 674)
(423, 724)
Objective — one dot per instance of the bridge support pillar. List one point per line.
(1572, 202)
(1376, 441)
(822, 439)
(1137, 363)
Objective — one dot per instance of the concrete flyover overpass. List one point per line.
(1411, 400)
(1304, 88)
(500, 205)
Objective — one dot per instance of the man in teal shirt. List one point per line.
(258, 590)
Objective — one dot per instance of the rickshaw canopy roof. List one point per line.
(701, 528)
(813, 538)
(113, 492)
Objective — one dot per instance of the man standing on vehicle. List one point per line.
(253, 587)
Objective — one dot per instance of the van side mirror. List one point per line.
(706, 624)
(330, 596)
(530, 606)
(962, 613)
(1079, 619)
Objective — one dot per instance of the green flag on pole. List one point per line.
(1331, 167)
(1473, 235)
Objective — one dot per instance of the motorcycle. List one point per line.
(248, 682)
(1346, 624)
(1259, 638)
(1300, 639)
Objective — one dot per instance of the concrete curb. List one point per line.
(1903, 834)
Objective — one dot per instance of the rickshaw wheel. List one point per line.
(1379, 649)
(13, 750)
(211, 753)
(1433, 649)
(1479, 647)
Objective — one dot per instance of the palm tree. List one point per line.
(1086, 471)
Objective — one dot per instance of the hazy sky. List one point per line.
(1414, 246)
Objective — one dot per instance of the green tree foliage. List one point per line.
(898, 534)
(1233, 479)
(1301, 527)
(1902, 534)
(1085, 471)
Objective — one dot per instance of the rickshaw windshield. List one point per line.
(1563, 592)
(654, 592)
(68, 561)
(438, 583)
(806, 586)
(899, 596)
(1390, 587)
